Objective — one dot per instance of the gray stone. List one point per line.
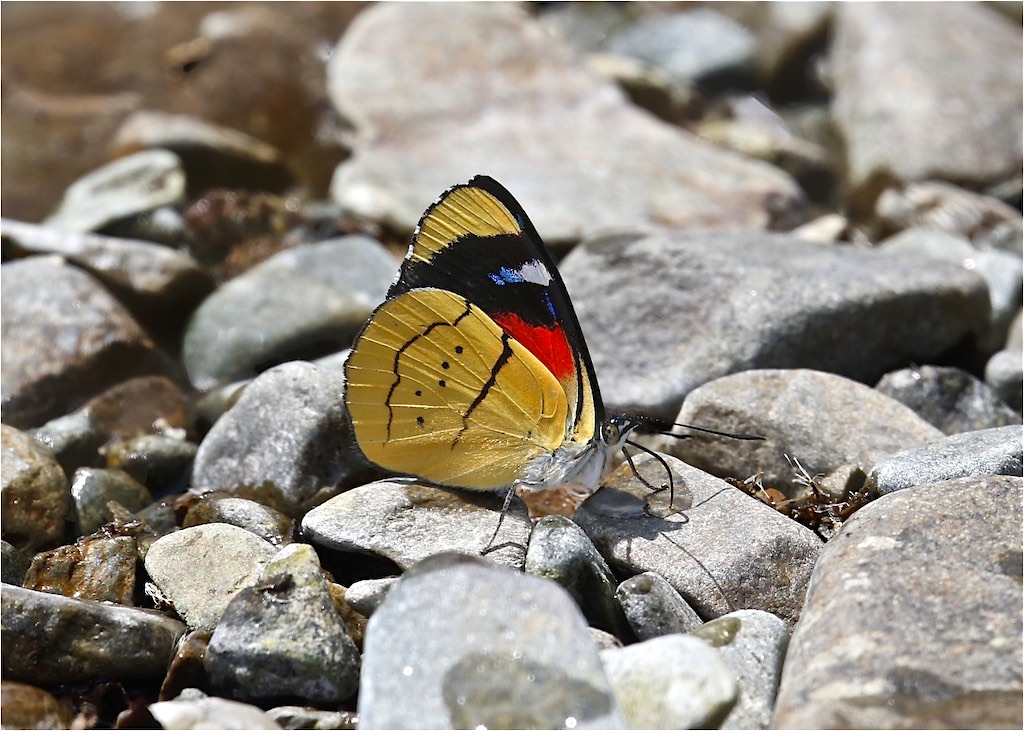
(753, 645)
(997, 451)
(48, 639)
(92, 488)
(653, 608)
(461, 642)
(1001, 271)
(271, 525)
(699, 46)
(284, 638)
(153, 276)
(61, 348)
(948, 398)
(201, 569)
(1005, 374)
(971, 109)
(34, 491)
(559, 550)
(314, 296)
(194, 710)
(824, 421)
(125, 187)
(913, 618)
(719, 548)
(367, 595)
(674, 681)
(496, 75)
(405, 522)
(285, 443)
(674, 311)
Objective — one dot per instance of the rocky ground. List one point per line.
(796, 220)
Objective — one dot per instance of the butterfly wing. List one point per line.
(435, 388)
(477, 241)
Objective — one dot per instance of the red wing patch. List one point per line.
(549, 344)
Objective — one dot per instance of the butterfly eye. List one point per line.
(610, 432)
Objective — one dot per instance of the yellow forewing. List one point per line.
(463, 211)
(436, 389)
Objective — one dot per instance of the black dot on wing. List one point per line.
(419, 392)
(419, 420)
(458, 349)
(441, 383)
(445, 364)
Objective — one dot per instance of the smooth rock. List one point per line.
(304, 301)
(285, 443)
(753, 645)
(998, 451)
(653, 608)
(152, 276)
(92, 488)
(674, 311)
(161, 462)
(201, 569)
(194, 710)
(271, 525)
(100, 568)
(283, 637)
(517, 656)
(674, 681)
(125, 187)
(1004, 372)
(824, 421)
(48, 639)
(496, 75)
(405, 522)
(914, 579)
(699, 46)
(34, 492)
(63, 348)
(212, 155)
(26, 706)
(1001, 271)
(948, 398)
(367, 595)
(720, 549)
(559, 550)
(971, 109)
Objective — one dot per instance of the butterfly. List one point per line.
(474, 372)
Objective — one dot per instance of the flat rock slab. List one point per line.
(913, 617)
(666, 313)
(497, 94)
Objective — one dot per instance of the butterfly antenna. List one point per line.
(652, 425)
(661, 461)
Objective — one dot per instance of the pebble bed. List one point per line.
(797, 220)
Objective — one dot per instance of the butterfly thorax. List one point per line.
(557, 483)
